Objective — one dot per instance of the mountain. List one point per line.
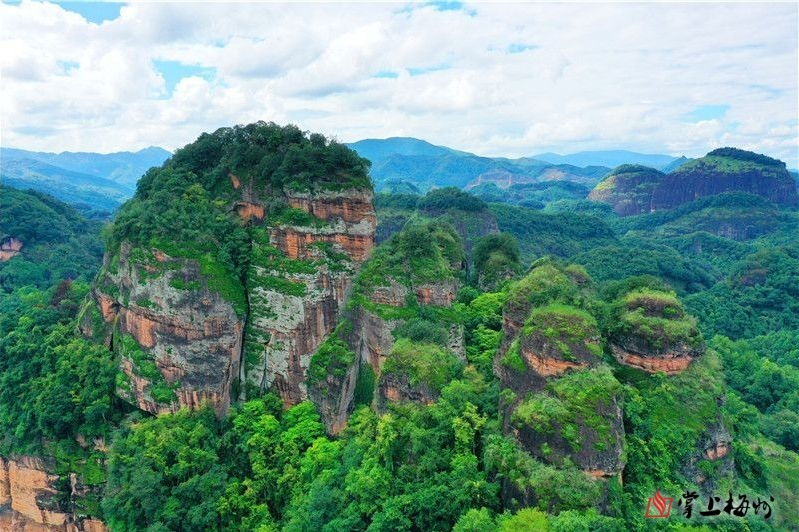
(85, 192)
(636, 189)
(247, 357)
(608, 158)
(378, 149)
(425, 166)
(43, 241)
(123, 167)
(676, 163)
(293, 239)
(726, 170)
(628, 189)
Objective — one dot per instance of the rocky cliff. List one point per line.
(32, 499)
(635, 189)
(299, 279)
(9, 248)
(396, 341)
(628, 189)
(560, 402)
(653, 333)
(726, 170)
(230, 266)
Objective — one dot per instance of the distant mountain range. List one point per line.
(610, 158)
(89, 181)
(103, 181)
(406, 160)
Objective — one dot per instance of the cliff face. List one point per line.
(635, 189)
(628, 189)
(9, 248)
(726, 170)
(179, 341)
(714, 446)
(183, 344)
(32, 499)
(560, 402)
(316, 264)
(370, 364)
(267, 226)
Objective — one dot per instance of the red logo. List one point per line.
(658, 506)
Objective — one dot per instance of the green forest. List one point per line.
(485, 436)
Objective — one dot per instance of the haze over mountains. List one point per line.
(607, 158)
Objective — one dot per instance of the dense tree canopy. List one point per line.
(453, 462)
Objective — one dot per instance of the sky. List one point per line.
(511, 79)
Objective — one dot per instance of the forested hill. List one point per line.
(43, 241)
(267, 344)
(96, 184)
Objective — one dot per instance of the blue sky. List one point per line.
(493, 79)
(96, 12)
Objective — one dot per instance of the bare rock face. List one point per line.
(714, 446)
(385, 302)
(32, 499)
(370, 338)
(726, 170)
(440, 294)
(290, 321)
(187, 337)
(397, 388)
(178, 339)
(640, 355)
(10, 248)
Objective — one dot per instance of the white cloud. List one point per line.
(589, 77)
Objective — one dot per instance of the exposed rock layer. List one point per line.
(295, 325)
(703, 180)
(10, 248)
(180, 322)
(33, 500)
(192, 336)
(628, 189)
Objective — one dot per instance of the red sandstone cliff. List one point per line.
(287, 327)
(184, 341)
(31, 500)
(182, 344)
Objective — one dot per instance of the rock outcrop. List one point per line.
(182, 343)
(714, 446)
(10, 248)
(179, 340)
(234, 300)
(387, 295)
(655, 334)
(315, 264)
(726, 170)
(560, 401)
(34, 500)
(628, 189)
(634, 189)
